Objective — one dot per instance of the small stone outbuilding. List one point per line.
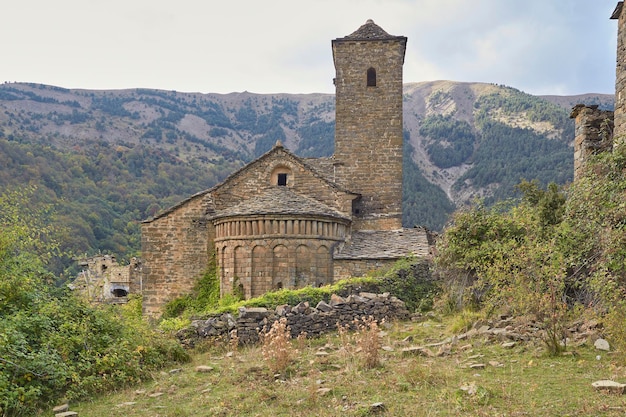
(287, 222)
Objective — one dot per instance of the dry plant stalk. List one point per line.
(276, 346)
(233, 342)
(343, 331)
(301, 340)
(368, 341)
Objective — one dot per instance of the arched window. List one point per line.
(371, 77)
(282, 176)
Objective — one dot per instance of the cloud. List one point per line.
(538, 46)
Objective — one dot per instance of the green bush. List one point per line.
(52, 344)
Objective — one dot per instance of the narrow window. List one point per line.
(371, 77)
(282, 179)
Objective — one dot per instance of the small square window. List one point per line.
(282, 179)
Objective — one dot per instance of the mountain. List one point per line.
(109, 159)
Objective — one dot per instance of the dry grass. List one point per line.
(368, 341)
(276, 346)
(330, 377)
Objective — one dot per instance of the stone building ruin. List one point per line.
(603, 130)
(103, 280)
(283, 221)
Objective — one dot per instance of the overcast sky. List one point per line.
(283, 46)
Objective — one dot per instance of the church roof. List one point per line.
(384, 244)
(280, 200)
(322, 169)
(371, 31)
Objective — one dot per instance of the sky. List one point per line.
(561, 47)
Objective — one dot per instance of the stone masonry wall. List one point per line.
(346, 268)
(272, 262)
(175, 252)
(255, 178)
(301, 319)
(593, 134)
(620, 77)
(368, 127)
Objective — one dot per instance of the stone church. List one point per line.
(287, 222)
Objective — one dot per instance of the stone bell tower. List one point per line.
(368, 131)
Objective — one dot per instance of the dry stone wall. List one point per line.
(301, 319)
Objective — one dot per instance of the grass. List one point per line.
(330, 376)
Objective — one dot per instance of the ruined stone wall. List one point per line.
(593, 134)
(368, 128)
(135, 277)
(301, 319)
(175, 252)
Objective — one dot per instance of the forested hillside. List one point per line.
(109, 159)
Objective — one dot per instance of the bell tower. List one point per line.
(368, 124)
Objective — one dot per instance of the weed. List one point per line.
(464, 321)
(233, 341)
(276, 346)
(365, 340)
(368, 341)
(301, 340)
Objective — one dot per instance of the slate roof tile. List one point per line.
(280, 200)
(384, 244)
(369, 30)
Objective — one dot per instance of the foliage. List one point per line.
(548, 256)
(101, 192)
(594, 238)
(409, 279)
(205, 295)
(511, 254)
(51, 343)
(318, 139)
(508, 155)
(510, 101)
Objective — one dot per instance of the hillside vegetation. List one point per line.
(51, 343)
(109, 159)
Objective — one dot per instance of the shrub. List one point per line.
(513, 258)
(54, 345)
